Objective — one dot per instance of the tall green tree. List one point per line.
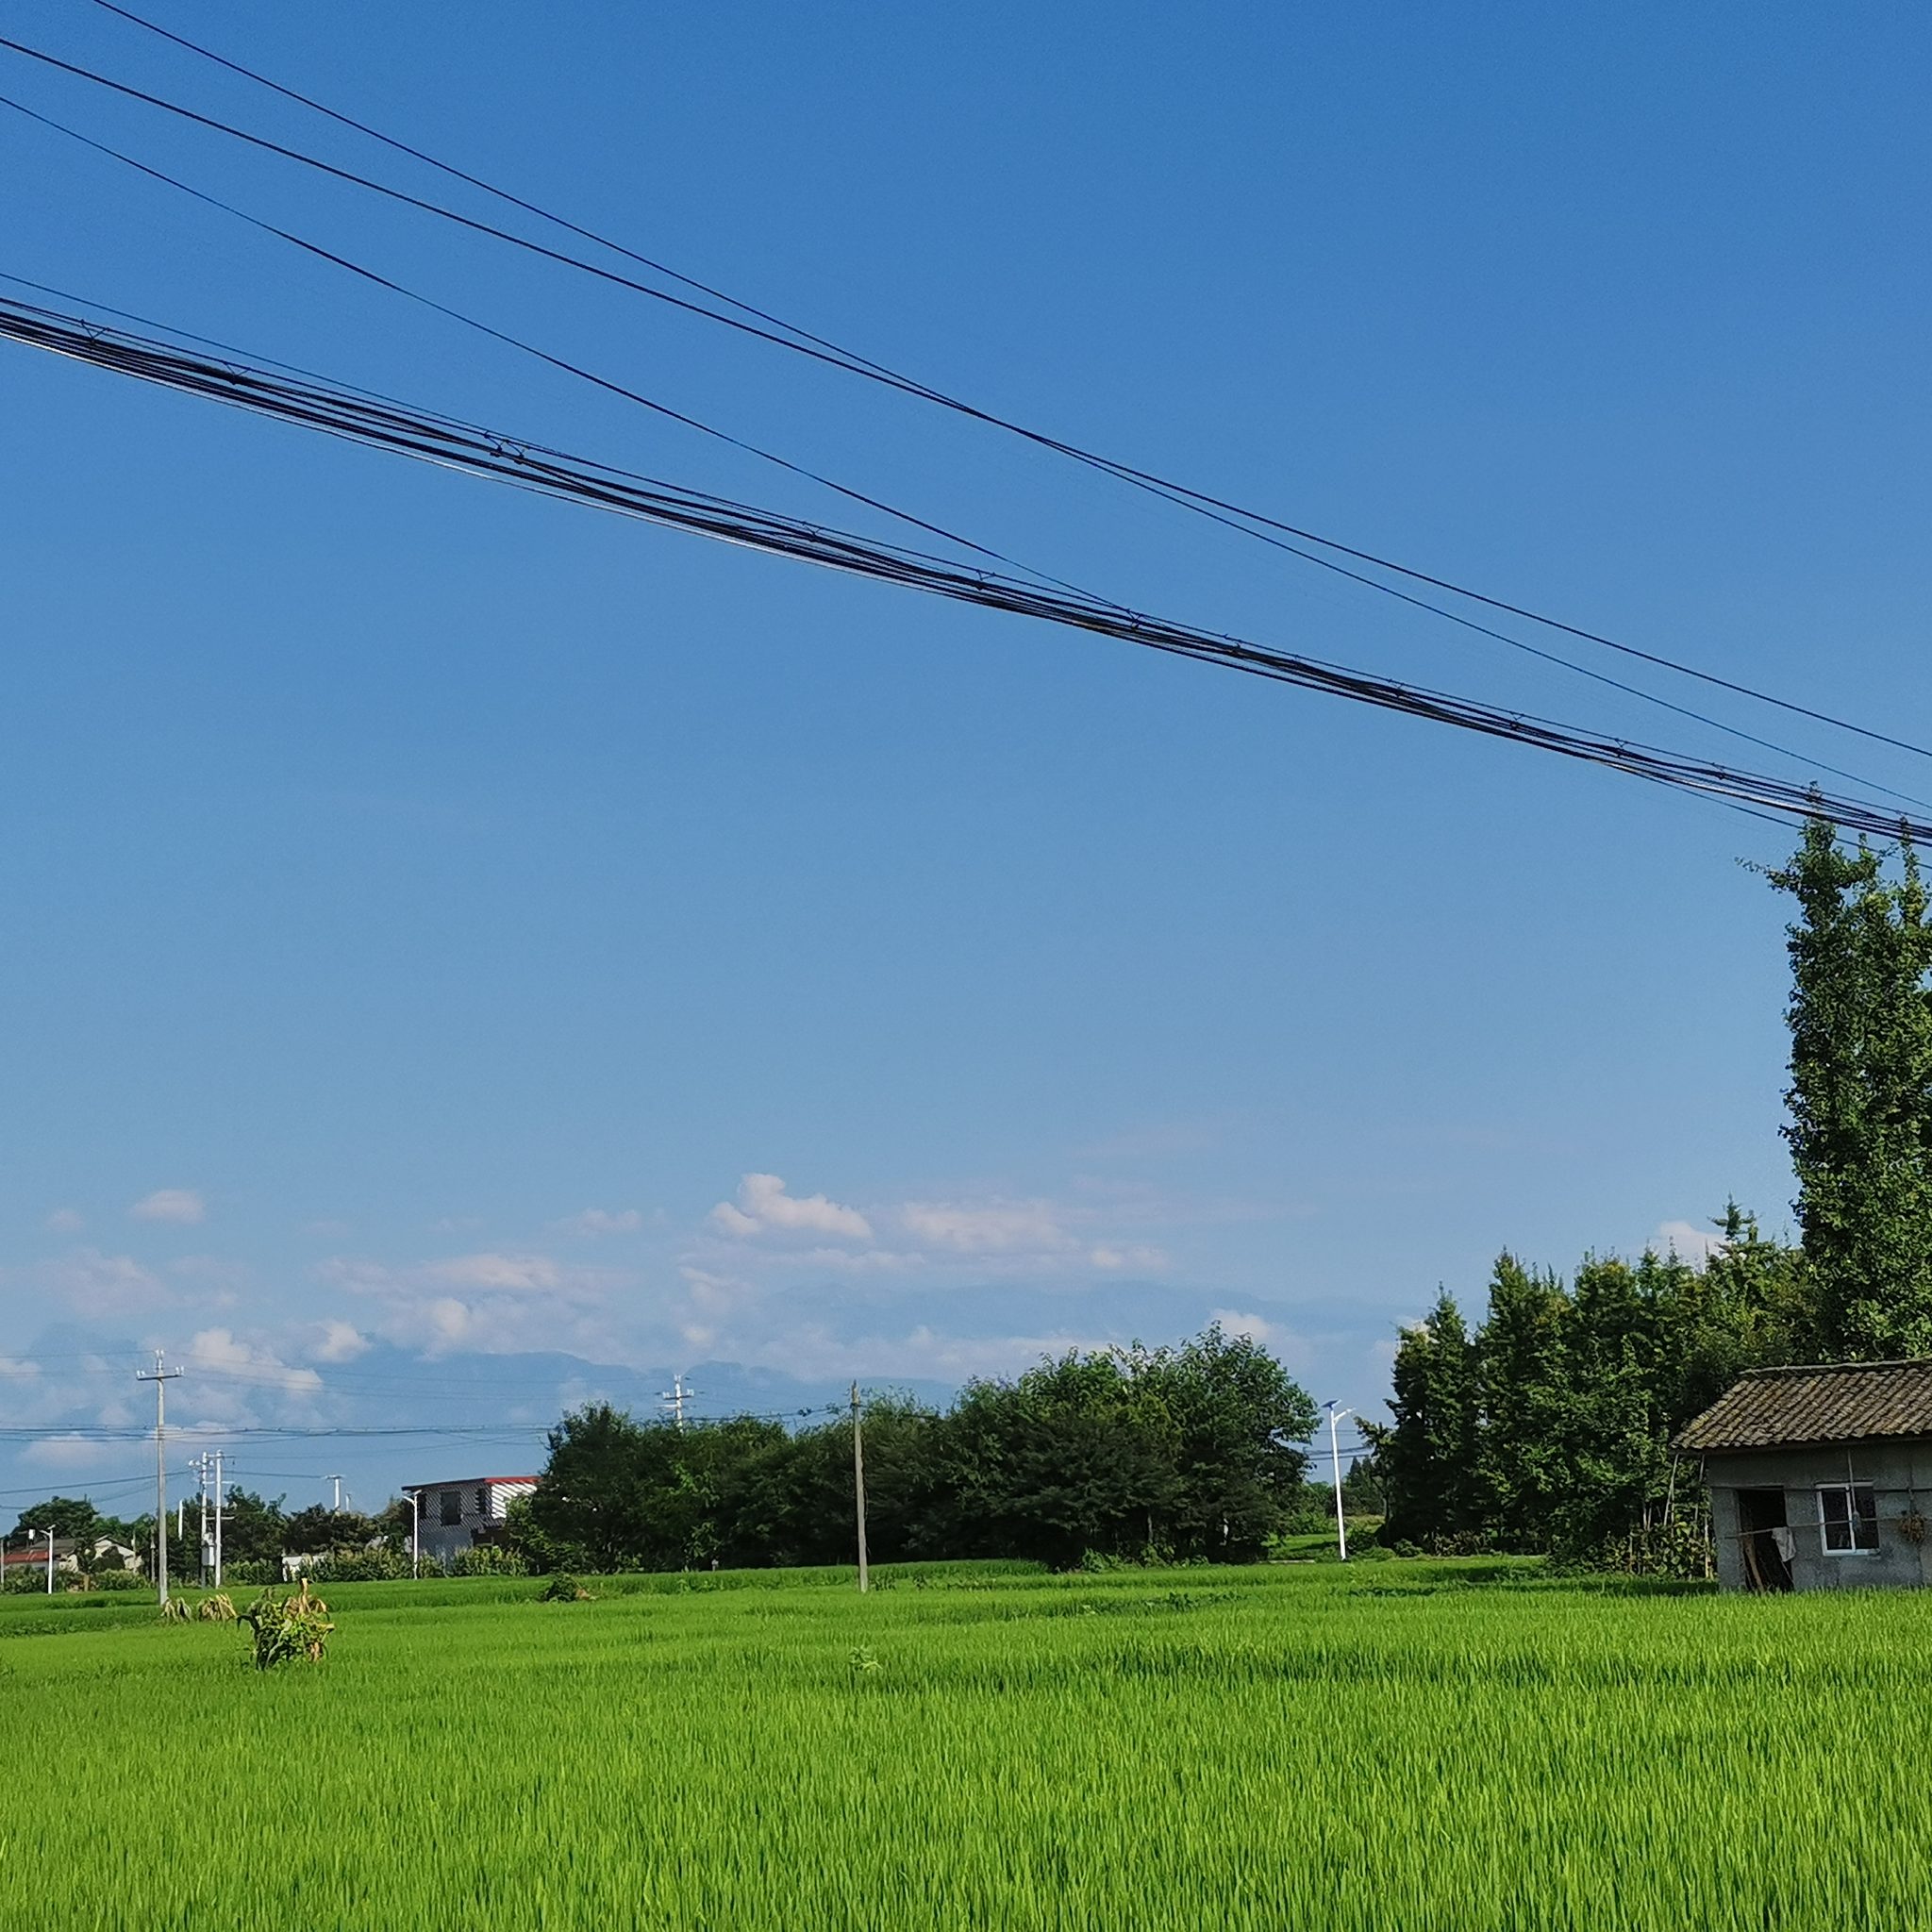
(1860, 1097)
(1525, 1390)
(1427, 1455)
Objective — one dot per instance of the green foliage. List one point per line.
(313, 1531)
(1460, 1747)
(488, 1559)
(356, 1566)
(1188, 1452)
(1549, 1428)
(1860, 1097)
(561, 1589)
(289, 1629)
(70, 1518)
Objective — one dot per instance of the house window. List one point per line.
(482, 1500)
(452, 1500)
(1848, 1519)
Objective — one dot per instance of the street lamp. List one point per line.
(1334, 1415)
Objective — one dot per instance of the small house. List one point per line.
(452, 1517)
(1819, 1478)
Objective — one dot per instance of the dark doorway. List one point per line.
(1764, 1538)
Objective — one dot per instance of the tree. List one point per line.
(1525, 1390)
(253, 1530)
(318, 1529)
(70, 1518)
(1860, 1097)
(1427, 1455)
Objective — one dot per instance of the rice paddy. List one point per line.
(1388, 1745)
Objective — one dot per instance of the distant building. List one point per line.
(452, 1517)
(1821, 1478)
(107, 1553)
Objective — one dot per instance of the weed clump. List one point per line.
(288, 1628)
(563, 1589)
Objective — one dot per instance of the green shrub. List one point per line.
(289, 1629)
(563, 1589)
(488, 1559)
(359, 1566)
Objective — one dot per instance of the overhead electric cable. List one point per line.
(517, 343)
(345, 413)
(1235, 516)
(472, 322)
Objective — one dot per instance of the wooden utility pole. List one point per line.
(859, 1485)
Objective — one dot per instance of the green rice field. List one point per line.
(1393, 1744)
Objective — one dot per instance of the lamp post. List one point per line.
(1334, 1415)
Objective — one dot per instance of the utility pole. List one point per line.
(50, 1562)
(1334, 1415)
(336, 1507)
(220, 1494)
(859, 1486)
(675, 1397)
(200, 1468)
(160, 1377)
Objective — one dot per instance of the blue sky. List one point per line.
(447, 928)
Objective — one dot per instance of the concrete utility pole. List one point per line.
(859, 1486)
(220, 1493)
(415, 1532)
(1334, 1415)
(337, 1506)
(50, 1562)
(675, 1397)
(200, 1468)
(160, 1377)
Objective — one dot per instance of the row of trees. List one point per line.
(1547, 1425)
(256, 1532)
(1175, 1452)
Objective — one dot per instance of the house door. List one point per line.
(1764, 1538)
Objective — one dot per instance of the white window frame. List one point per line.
(1852, 1518)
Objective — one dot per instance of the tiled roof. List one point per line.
(1846, 1402)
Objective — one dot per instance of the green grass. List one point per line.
(1390, 1745)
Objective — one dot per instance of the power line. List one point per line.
(561, 363)
(345, 413)
(1247, 522)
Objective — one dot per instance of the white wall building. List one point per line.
(452, 1517)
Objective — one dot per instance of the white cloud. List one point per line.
(764, 1206)
(923, 1353)
(71, 1453)
(992, 1227)
(64, 1220)
(1114, 1259)
(339, 1342)
(1687, 1239)
(180, 1205)
(92, 1283)
(513, 1274)
(219, 1352)
(601, 1221)
(1282, 1343)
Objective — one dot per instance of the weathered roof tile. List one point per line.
(1846, 1402)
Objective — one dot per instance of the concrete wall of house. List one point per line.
(1899, 1472)
(477, 1505)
